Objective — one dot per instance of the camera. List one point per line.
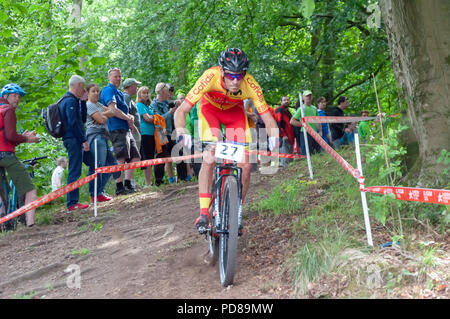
(171, 103)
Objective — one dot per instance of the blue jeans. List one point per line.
(104, 158)
(75, 154)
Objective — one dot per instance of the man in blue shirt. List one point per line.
(119, 126)
(73, 115)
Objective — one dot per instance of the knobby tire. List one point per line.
(228, 241)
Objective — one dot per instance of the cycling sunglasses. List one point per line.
(238, 76)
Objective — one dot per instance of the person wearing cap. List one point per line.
(164, 106)
(130, 86)
(119, 125)
(160, 105)
(309, 110)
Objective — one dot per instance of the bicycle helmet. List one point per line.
(12, 88)
(234, 60)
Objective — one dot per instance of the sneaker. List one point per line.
(77, 206)
(202, 223)
(129, 189)
(188, 178)
(102, 198)
(171, 180)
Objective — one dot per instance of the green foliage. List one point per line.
(444, 158)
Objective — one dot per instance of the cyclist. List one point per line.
(9, 139)
(221, 91)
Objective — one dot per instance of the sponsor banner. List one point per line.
(345, 165)
(424, 195)
(49, 197)
(337, 119)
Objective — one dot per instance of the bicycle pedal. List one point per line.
(202, 230)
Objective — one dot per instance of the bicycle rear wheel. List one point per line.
(229, 238)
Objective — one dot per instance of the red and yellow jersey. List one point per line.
(210, 87)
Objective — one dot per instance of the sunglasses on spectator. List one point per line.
(231, 76)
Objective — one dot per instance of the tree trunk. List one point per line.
(419, 34)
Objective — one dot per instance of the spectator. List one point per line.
(287, 138)
(73, 115)
(96, 130)
(129, 89)
(9, 139)
(58, 173)
(364, 128)
(162, 107)
(337, 129)
(189, 128)
(322, 104)
(119, 126)
(309, 110)
(146, 113)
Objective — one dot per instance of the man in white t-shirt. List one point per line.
(58, 173)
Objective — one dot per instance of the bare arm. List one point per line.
(180, 117)
(295, 122)
(148, 118)
(99, 118)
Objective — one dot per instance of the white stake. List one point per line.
(363, 194)
(305, 135)
(96, 181)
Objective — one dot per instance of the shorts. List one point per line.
(124, 145)
(148, 147)
(18, 173)
(234, 119)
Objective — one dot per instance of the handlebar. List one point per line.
(34, 160)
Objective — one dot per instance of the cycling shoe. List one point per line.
(202, 224)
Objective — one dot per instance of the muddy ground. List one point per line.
(142, 245)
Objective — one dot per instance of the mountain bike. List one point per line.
(225, 211)
(10, 199)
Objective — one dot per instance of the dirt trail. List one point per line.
(147, 247)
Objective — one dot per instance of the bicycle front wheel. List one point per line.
(229, 237)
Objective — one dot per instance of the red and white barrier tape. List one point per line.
(424, 195)
(346, 166)
(49, 197)
(156, 161)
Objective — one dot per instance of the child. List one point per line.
(58, 173)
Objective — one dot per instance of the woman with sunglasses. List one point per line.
(221, 91)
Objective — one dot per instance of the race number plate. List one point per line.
(230, 151)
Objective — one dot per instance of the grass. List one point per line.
(81, 252)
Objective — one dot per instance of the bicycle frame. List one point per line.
(223, 171)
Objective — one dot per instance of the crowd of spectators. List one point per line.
(138, 127)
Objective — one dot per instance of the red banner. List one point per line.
(424, 195)
(49, 197)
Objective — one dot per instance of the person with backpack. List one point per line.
(73, 113)
(9, 139)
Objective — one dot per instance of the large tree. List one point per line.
(419, 40)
